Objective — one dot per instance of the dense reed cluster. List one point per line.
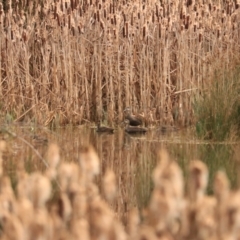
(86, 60)
(80, 211)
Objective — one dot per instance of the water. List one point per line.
(132, 157)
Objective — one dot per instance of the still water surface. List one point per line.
(132, 157)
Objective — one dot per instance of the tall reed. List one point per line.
(81, 61)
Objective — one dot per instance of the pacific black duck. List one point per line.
(134, 129)
(134, 120)
(104, 129)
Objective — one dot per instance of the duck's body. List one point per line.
(134, 129)
(168, 129)
(39, 140)
(103, 129)
(134, 120)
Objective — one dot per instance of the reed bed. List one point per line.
(81, 210)
(79, 61)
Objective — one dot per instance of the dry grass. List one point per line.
(78, 61)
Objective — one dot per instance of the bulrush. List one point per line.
(198, 180)
(7, 197)
(231, 219)
(2, 149)
(89, 162)
(68, 176)
(79, 204)
(53, 159)
(80, 229)
(25, 211)
(109, 185)
(12, 228)
(40, 189)
(168, 169)
(221, 189)
(166, 203)
(201, 208)
(133, 223)
(103, 223)
(64, 207)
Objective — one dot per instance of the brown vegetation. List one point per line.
(78, 61)
(80, 211)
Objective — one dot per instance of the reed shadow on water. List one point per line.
(131, 157)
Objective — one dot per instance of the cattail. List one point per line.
(58, 20)
(2, 150)
(133, 223)
(144, 32)
(124, 17)
(228, 9)
(159, 30)
(124, 34)
(55, 12)
(221, 186)
(153, 18)
(89, 161)
(53, 155)
(198, 179)
(79, 29)
(98, 16)
(12, 228)
(104, 13)
(126, 29)
(218, 32)
(200, 37)
(80, 229)
(109, 185)
(72, 4)
(187, 22)
(102, 25)
(40, 189)
(64, 207)
(194, 27)
(73, 30)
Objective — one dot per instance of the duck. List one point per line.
(39, 140)
(167, 129)
(134, 129)
(104, 129)
(134, 120)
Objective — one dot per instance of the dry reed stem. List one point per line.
(101, 58)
